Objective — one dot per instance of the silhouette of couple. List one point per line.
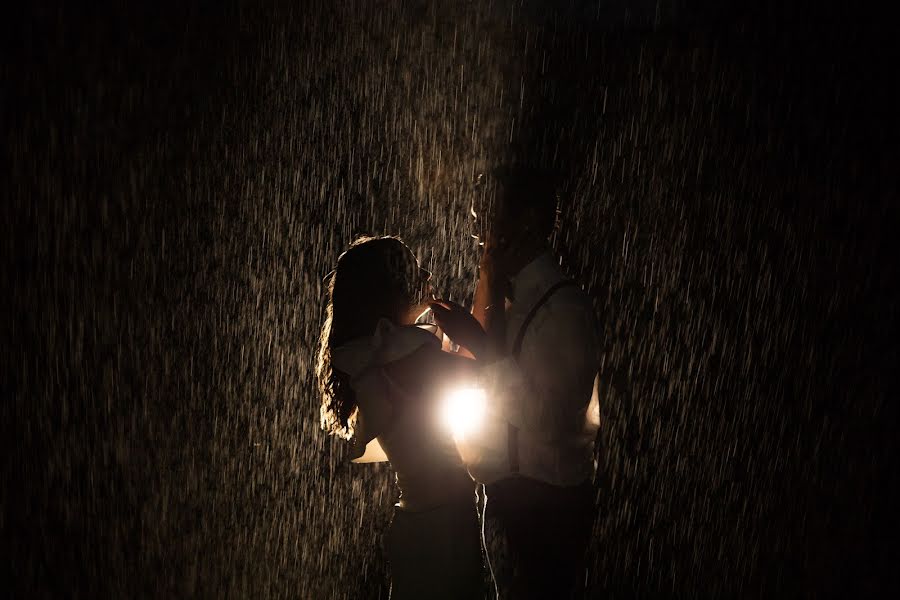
(515, 487)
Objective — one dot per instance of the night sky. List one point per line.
(177, 181)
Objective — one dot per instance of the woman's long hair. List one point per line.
(376, 278)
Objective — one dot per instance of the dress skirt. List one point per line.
(435, 553)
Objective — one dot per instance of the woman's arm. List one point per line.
(462, 328)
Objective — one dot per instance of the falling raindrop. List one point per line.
(180, 181)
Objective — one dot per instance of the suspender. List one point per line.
(511, 430)
(517, 345)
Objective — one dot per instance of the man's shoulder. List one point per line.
(569, 311)
(570, 293)
(566, 289)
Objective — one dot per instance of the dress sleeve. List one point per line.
(375, 411)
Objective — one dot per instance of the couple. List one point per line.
(531, 344)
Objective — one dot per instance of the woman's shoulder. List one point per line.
(393, 342)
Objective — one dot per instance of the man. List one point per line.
(536, 331)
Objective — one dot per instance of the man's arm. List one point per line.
(489, 306)
(481, 334)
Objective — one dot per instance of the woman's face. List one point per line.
(415, 281)
(423, 294)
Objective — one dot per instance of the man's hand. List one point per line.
(460, 326)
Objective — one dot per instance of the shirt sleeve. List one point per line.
(546, 391)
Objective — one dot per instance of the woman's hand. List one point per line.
(460, 326)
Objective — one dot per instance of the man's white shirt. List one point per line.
(548, 392)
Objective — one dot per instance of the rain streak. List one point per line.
(180, 181)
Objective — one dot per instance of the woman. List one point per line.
(381, 379)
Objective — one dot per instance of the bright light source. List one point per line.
(463, 410)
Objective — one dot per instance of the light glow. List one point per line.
(462, 411)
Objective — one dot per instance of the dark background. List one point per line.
(178, 179)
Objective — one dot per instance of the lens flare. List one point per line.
(462, 411)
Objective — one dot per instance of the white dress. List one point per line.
(433, 545)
